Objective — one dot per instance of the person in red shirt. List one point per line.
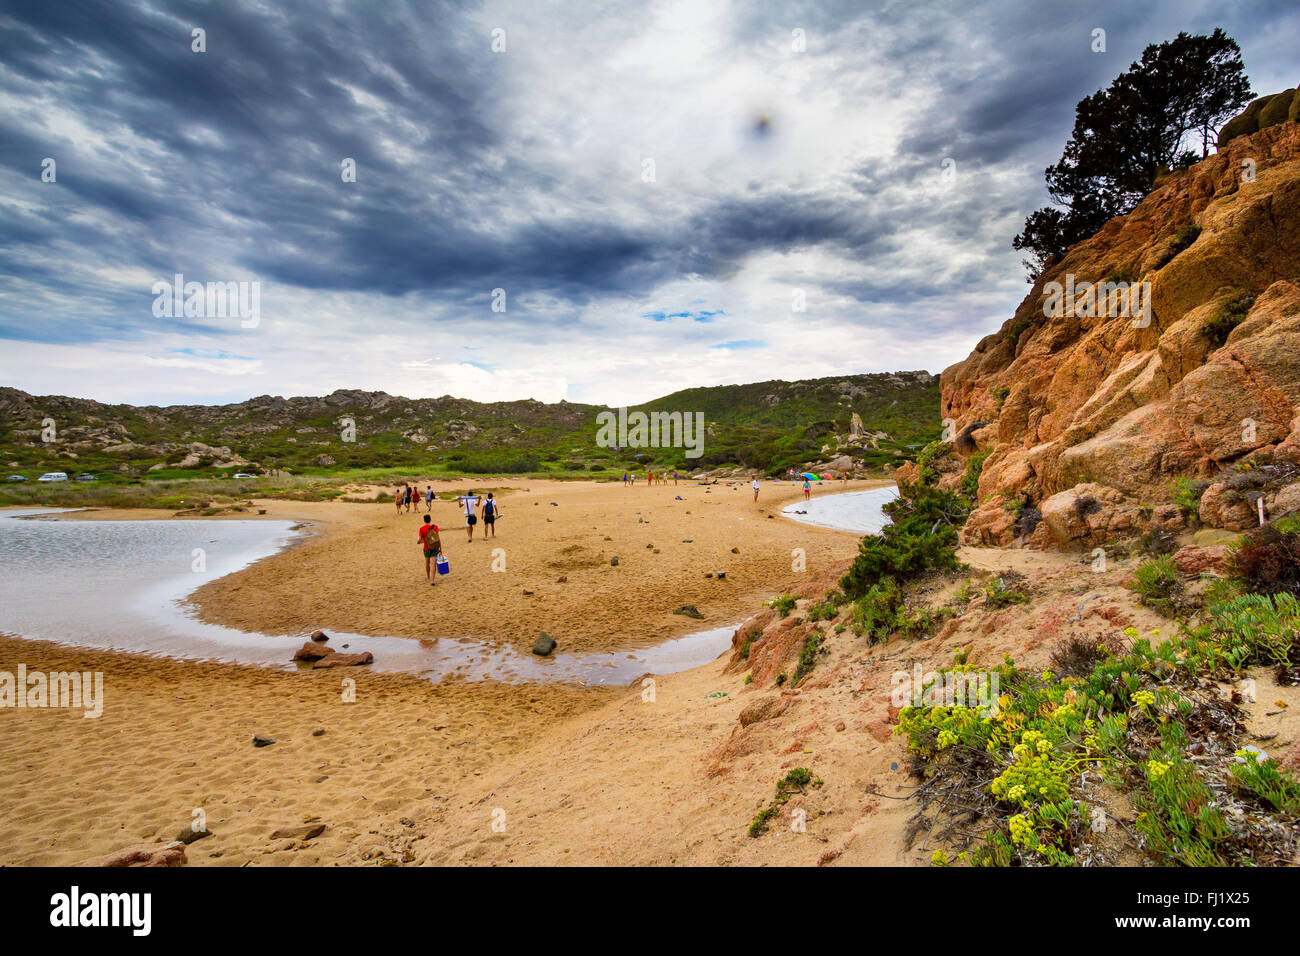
(432, 546)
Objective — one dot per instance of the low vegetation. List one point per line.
(1227, 317)
(797, 780)
(1033, 780)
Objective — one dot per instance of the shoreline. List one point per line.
(316, 523)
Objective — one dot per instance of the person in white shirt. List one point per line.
(470, 504)
(755, 486)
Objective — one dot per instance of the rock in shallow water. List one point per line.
(345, 660)
(312, 652)
(544, 644)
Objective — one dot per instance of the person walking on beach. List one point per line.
(490, 512)
(397, 500)
(674, 479)
(432, 547)
(428, 499)
(755, 486)
(625, 479)
(807, 489)
(470, 504)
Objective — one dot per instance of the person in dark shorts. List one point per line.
(490, 512)
(431, 544)
(470, 504)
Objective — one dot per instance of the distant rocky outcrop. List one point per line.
(1208, 388)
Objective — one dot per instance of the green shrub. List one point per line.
(922, 536)
(1227, 317)
(1186, 493)
(807, 657)
(793, 782)
(970, 482)
(1159, 585)
(783, 605)
(827, 608)
(1001, 593)
(1256, 629)
(1176, 812)
(1264, 779)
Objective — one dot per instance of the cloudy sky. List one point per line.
(645, 191)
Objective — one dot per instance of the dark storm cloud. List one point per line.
(231, 157)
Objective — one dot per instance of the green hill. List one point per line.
(767, 426)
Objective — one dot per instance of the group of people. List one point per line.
(429, 538)
(651, 476)
(407, 497)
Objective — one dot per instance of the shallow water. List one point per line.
(857, 511)
(119, 585)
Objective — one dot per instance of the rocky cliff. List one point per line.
(1152, 376)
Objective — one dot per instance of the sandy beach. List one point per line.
(548, 568)
(176, 736)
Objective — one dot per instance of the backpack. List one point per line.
(489, 509)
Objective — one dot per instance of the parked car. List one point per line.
(54, 476)
(85, 476)
(244, 474)
(16, 478)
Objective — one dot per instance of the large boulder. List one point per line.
(1277, 109)
(312, 652)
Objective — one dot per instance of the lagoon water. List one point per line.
(121, 585)
(857, 511)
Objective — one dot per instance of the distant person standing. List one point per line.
(470, 504)
(625, 479)
(432, 547)
(807, 488)
(674, 478)
(397, 500)
(755, 489)
(490, 512)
